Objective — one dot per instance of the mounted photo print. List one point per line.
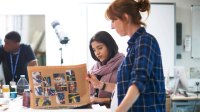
(58, 86)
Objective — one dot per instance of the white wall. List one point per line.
(74, 24)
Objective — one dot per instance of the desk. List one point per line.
(185, 104)
(16, 106)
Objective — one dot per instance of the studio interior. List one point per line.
(59, 33)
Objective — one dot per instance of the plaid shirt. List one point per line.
(143, 67)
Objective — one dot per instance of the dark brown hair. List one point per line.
(105, 38)
(120, 7)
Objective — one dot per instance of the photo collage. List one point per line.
(63, 86)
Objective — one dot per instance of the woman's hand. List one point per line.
(99, 100)
(129, 99)
(94, 81)
(120, 110)
(93, 99)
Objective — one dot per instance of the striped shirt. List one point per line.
(143, 67)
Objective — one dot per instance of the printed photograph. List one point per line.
(37, 78)
(43, 101)
(70, 75)
(59, 77)
(46, 81)
(72, 87)
(60, 87)
(51, 91)
(60, 98)
(73, 98)
(38, 90)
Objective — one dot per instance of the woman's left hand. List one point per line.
(99, 100)
(94, 81)
(93, 99)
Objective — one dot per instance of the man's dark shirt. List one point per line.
(26, 55)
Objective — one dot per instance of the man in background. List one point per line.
(15, 57)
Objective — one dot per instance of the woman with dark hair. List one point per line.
(104, 50)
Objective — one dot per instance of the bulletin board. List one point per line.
(58, 86)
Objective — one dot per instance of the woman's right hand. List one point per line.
(94, 81)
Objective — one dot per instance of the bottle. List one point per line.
(13, 89)
(1, 84)
(22, 84)
(26, 98)
(6, 91)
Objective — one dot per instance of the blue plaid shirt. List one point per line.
(143, 67)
